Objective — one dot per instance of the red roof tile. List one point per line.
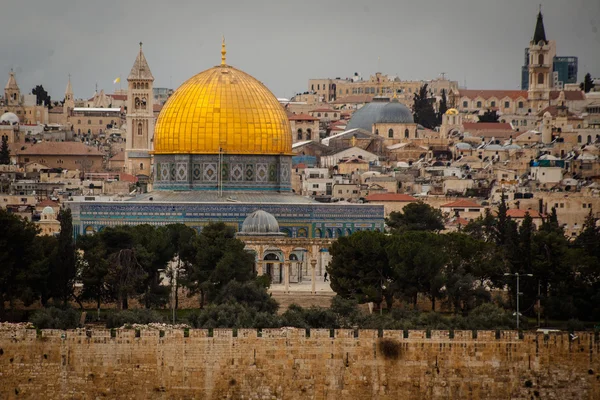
(487, 94)
(487, 126)
(462, 204)
(302, 117)
(519, 213)
(59, 148)
(570, 95)
(47, 203)
(354, 99)
(390, 197)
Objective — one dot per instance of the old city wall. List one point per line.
(291, 364)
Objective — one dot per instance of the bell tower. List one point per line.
(12, 93)
(69, 99)
(541, 57)
(140, 118)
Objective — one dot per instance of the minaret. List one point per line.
(69, 104)
(140, 117)
(12, 93)
(541, 57)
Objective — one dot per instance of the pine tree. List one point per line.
(587, 84)
(443, 106)
(4, 151)
(64, 266)
(423, 112)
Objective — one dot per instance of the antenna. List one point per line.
(443, 74)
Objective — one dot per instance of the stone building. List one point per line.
(304, 127)
(64, 155)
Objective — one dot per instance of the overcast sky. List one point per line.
(284, 43)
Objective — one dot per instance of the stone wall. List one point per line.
(296, 364)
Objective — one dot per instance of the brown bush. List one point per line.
(390, 348)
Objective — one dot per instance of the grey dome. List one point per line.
(380, 110)
(9, 117)
(260, 223)
(395, 113)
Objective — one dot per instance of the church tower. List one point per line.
(12, 93)
(140, 118)
(69, 104)
(541, 56)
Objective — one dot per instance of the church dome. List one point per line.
(48, 210)
(395, 113)
(9, 117)
(260, 223)
(380, 110)
(222, 108)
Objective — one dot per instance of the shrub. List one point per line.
(390, 348)
(55, 318)
(575, 325)
(251, 294)
(127, 317)
(486, 316)
(228, 315)
(313, 317)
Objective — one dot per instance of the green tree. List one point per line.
(4, 151)
(181, 240)
(42, 97)
(359, 268)
(153, 252)
(423, 112)
(417, 261)
(489, 116)
(94, 269)
(587, 84)
(443, 107)
(417, 216)
(63, 271)
(471, 268)
(19, 256)
(218, 259)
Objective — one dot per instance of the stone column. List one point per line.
(313, 279)
(261, 267)
(286, 276)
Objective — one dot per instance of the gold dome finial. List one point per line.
(223, 52)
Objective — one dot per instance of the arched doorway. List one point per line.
(273, 269)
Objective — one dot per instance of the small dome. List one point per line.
(10, 118)
(452, 111)
(260, 223)
(48, 210)
(395, 113)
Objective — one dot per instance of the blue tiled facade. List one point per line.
(296, 220)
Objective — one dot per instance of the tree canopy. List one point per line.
(4, 151)
(489, 116)
(417, 216)
(588, 83)
(423, 111)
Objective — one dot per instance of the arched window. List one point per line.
(309, 134)
(140, 129)
(299, 134)
(416, 134)
(579, 139)
(478, 104)
(465, 104)
(391, 133)
(541, 59)
(540, 80)
(377, 131)
(406, 133)
(141, 165)
(79, 121)
(143, 103)
(589, 139)
(137, 103)
(326, 115)
(146, 86)
(520, 104)
(89, 121)
(100, 121)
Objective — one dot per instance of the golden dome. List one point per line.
(226, 108)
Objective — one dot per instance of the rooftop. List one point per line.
(390, 197)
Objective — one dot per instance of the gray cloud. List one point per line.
(285, 43)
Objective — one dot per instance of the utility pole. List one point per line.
(518, 293)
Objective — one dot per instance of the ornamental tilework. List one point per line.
(197, 172)
(249, 172)
(210, 173)
(237, 172)
(164, 171)
(261, 172)
(181, 172)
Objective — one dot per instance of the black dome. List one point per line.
(380, 110)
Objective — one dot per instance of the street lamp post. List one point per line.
(518, 293)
